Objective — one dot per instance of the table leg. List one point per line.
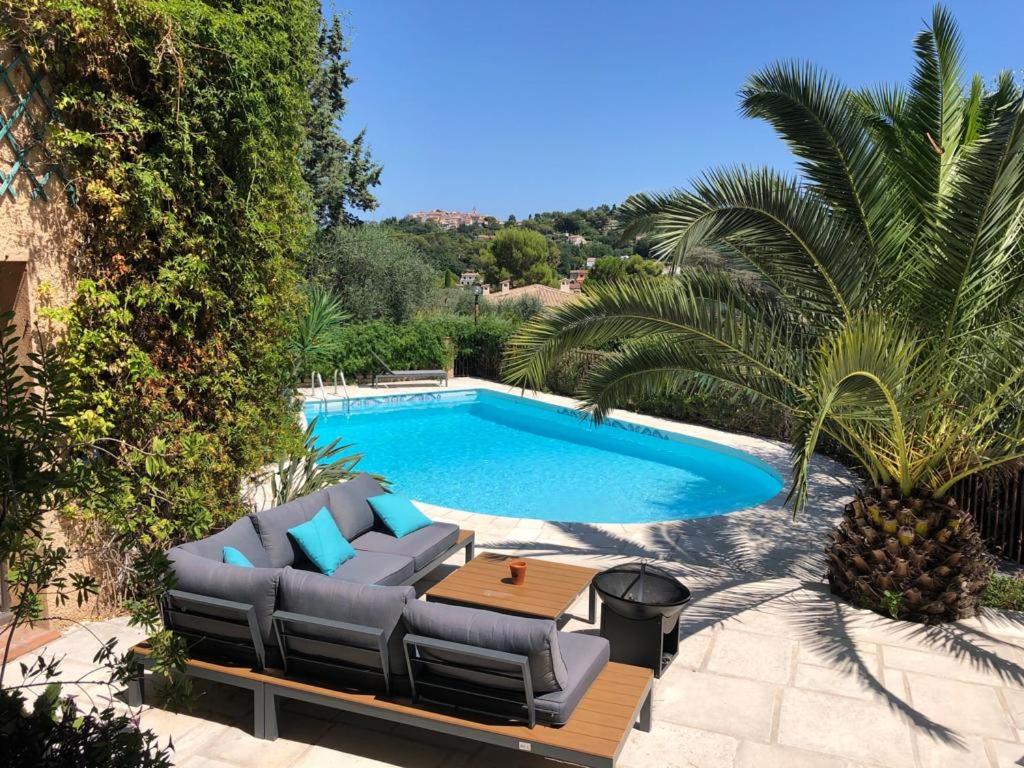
(259, 711)
(643, 722)
(270, 705)
(592, 607)
(137, 689)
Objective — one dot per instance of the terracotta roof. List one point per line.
(549, 297)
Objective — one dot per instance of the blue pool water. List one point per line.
(488, 452)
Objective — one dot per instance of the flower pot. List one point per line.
(518, 570)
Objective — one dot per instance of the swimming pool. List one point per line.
(484, 451)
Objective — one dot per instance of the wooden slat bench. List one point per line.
(618, 700)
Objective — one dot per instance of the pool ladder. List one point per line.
(317, 385)
(344, 388)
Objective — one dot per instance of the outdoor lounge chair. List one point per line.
(388, 376)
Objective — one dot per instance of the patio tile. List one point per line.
(978, 666)
(754, 755)
(351, 744)
(828, 652)
(963, 707)
(693, 648)
(969, 753)
(758, 657)
(1007, 754)
(675, 746)
(842, 681)
(1015, 703)
(844, 727)
(717, 703)
(242, 749)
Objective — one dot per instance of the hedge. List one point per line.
(444, 341)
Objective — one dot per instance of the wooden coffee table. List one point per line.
(548, 592)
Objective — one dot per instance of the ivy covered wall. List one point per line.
(182, 131)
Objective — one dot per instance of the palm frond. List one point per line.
(788, 236)
(818, 118)
(980, 264)
(700, 311)
(862, 375)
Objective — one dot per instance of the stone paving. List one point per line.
(772, 670)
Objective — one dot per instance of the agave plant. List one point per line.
(886, 313)
(310, 468)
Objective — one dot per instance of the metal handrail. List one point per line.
(344, 388)
(313, 379)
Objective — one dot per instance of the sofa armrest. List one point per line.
(213, 620)
(449, 657)
(373, 635)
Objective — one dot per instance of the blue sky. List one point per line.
(518, 107)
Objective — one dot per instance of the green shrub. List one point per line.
(1005, 591)
(183, 127)
(411, 345)
(376, 272)
(431, 342)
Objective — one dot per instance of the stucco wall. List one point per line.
(40, 232)
(40, 239)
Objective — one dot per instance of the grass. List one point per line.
(1005, 592)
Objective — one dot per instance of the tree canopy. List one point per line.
(374, 272)
(341, 174)
(522, 256)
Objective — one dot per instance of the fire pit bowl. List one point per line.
(641, 592)
(640, 619)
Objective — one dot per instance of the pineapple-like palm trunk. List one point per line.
(912, 558)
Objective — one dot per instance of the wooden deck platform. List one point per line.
(620, 698)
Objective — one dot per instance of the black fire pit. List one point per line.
(641, 617)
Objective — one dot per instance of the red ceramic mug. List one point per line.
(518, 570)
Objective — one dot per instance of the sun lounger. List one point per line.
(389, 376)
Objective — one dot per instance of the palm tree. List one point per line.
(886, 312)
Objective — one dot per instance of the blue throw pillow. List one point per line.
(233, 557)
(322, 542)
(398, 513)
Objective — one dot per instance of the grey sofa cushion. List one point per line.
(272, 526)
(375, 568)
(422, 545)
(255, 586)
(536, 639)
(241, 535)
(585, 656)
(314, 594)
(347, 502)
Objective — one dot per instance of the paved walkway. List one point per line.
(772, 670)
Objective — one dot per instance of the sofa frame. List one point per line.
(624, 691)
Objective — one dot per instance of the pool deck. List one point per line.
(772, 670)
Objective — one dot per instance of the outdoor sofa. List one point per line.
(362, 628)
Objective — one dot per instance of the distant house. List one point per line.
(576, 240)
(576, 278)
(450, 219)
(548, 297)
(469, 278)
(591, 261)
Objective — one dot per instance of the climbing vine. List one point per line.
(183, 124)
